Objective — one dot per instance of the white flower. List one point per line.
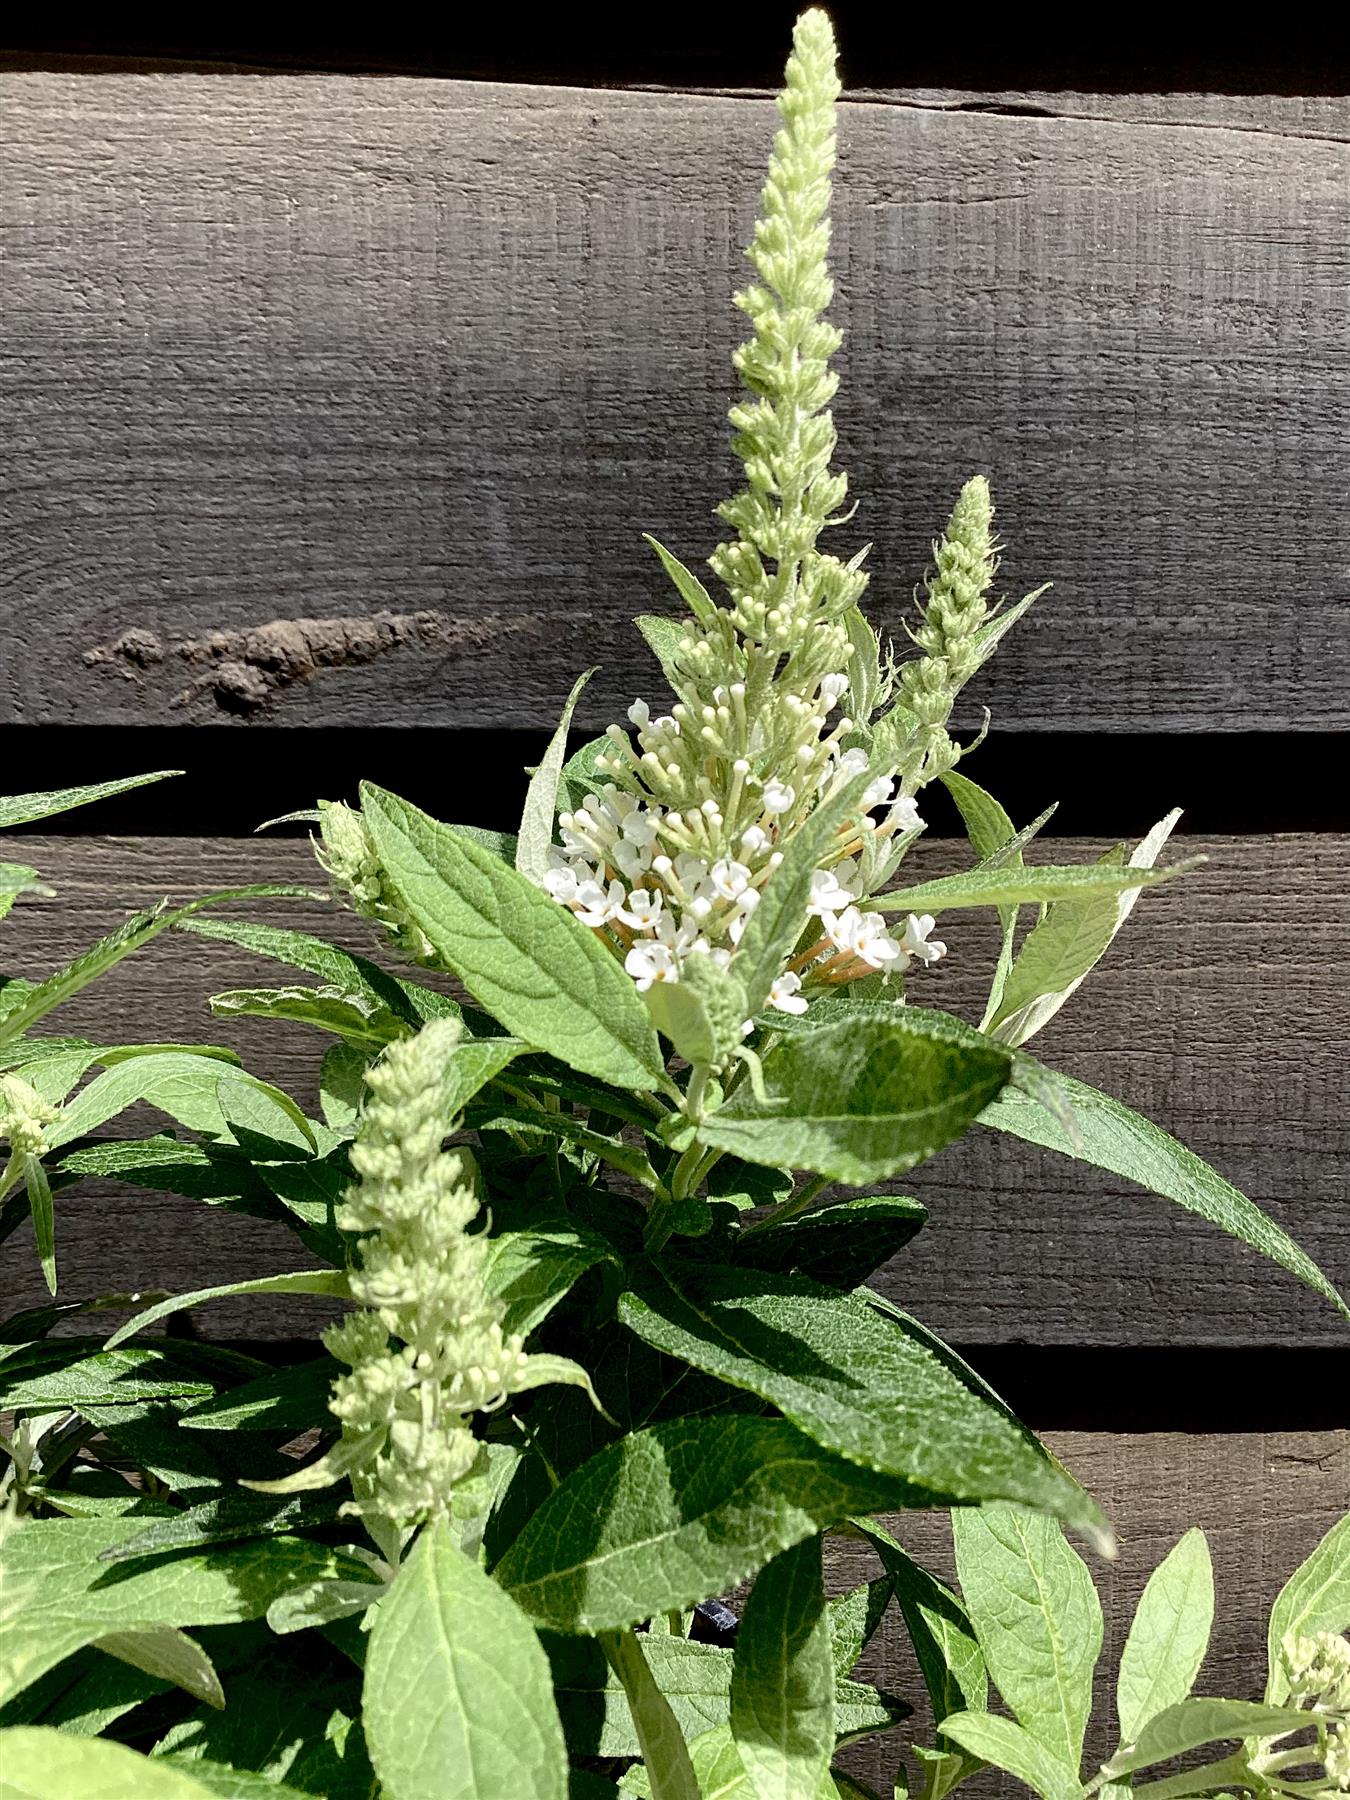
(865, 935)
(833, 689)
(594, 906)
(784, 995)
(730, 879)
(639, 713)
(643, 909)
(779, 797)
(904, 815)
(916, 943)
(631, 859)
(753, 839)
(561, 883)
(827, 895)
(639, 827)
(647, 963)
(878, 793)
(852, 764)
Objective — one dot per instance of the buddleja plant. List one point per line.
(586, 1187)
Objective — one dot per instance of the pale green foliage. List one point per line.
(1036, 1617)
(344, 849)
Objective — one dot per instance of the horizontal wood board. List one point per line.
(1263, 1500)
(1220, 1013)
(432, 354)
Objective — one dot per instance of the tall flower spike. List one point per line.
(428, 1351)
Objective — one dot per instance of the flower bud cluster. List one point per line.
(1318, 1672)
(429, 1351)
(346, 852)
(24, 1116)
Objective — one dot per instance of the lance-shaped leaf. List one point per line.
(1037, 1618)
(531, 1271)
(457, 1702)
(177, 1082)
(1168, 1635)
(1191, 1723)
(525, 958)
(341, 970)
(1008, 1745)
(1067, 944)
(864, 1098)
(541, 799)
(24, 809)
(661, 1742)
(840, 1244)
(1012, 886)
(1111, 1136)
(869, 1388)
(699, 601)
(167, 1655)
(988, 828)
(782, 1684)
(675, 1513)
(330, 1282)
(42, 1763)
(349, 1017)
(1315, 1598)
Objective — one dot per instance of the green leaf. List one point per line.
(232, 1516)
(522, 956)
(352, 1019)
(1168, 1636)
(341, 970)
(167, 1655)
(660, 1740)
(778, 921)
(179, 1083)
(1013, 886)
(782, 1684)
(1037, 1618)
(864, 665)
(1315, 1598)
(44, 1764)
(1191, 1723)
(457, 1700)
(302, 1281)
(1110, 1136)
(292, 1399)
(702, 1013)
(15, 879)
(44, 1217)
(1008, 1745)
(677, 1512)
(1067, 944)
(945, 1646)
(988, 828)
(530, 1271)
(841, 1243)
(225, 1783)
(86, 967)
(864, 1099)
(663, 638)
(23, 809)
(72, 1372)
(864, 1387)
(854, 1618)
(473, 1063)
(58, 1596)
(342, 1087)
(692, 590)
(541, 799)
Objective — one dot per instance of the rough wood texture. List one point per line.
(1263, 1500)
(323, 349)
(1220, 1014)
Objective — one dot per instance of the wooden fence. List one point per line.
(333, 409)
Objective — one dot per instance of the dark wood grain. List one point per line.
(1264, 1501)
(1221, 1014)
(329, 349)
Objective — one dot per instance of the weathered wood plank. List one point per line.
(430, 354)
(1220, 1014)
(1263, 1500)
